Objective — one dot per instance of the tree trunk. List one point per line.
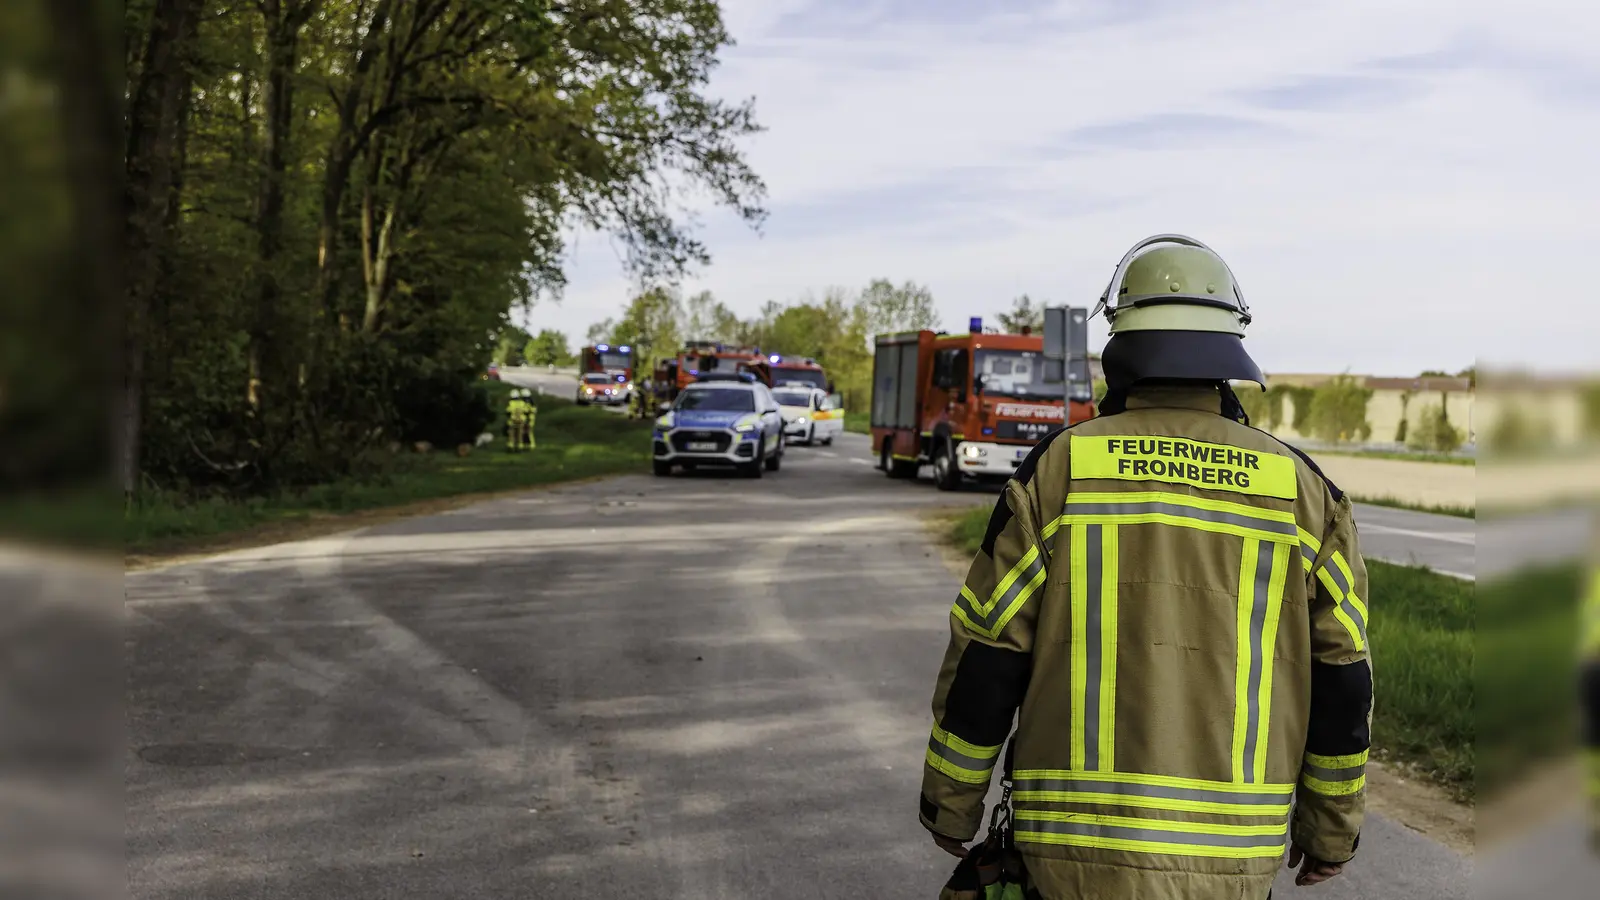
(284, 21)
(156, 101)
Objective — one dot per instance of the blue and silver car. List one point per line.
(721, 420)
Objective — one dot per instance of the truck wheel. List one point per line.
(897, 468)
(945, 474)
(661, 469)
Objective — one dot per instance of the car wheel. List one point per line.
(945, 474)
(811, 436)
(776, 459)
(827, 441)
(753, 469)
(661, 469)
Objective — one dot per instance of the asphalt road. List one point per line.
(695, 687)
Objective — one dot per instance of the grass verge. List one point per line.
(1460, 512)
(573, 443)
(1527, 699)
(1422, 639)
(859, 422)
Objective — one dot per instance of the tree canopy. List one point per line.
(334, 202)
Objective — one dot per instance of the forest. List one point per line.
(333, 206)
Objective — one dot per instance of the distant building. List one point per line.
(1393, 399)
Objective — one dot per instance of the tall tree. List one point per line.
(908, 307)
(1024, 314)
(158, 87)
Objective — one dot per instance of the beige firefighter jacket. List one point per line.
(1173, 608)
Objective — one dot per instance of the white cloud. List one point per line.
(1397, 185)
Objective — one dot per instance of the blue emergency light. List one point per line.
(975, 325)
(602, 347)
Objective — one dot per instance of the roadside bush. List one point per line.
(1434, 431)
(443, 408)
(1339, 411)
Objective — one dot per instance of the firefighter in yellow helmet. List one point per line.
(516, 413)
(1173, 608)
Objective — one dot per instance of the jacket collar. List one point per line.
(1204, 399)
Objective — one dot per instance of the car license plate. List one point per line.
(702, 445)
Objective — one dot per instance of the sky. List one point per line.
(1397, 186)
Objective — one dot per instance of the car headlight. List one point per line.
(972, 451)
(666, 422)
(802, 420)
(744, 428)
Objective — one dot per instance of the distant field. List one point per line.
(1422, 638)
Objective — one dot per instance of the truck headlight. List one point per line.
(973, 451)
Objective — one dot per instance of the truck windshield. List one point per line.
(812, 377)
(614, 360)
(715, 400)
(1014, 373)
(792, 397)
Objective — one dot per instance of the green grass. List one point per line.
(1526, 674)
(573, 443)
(859, 422)
(1460, 512)
(1445, 458)
(1422, 635)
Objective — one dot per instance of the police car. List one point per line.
(809, 413)
(723, 419)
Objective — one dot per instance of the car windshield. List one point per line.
(1014, 373)
(718, 400)
(597, 378)
(812, 377)
(792, 398)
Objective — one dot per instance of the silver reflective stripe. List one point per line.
(1018, 587)
(1090, 785)
(1267, 553)
(1337, 574)
(1151, 835)
(1309, 554)
(1350, 774)
(1288, 529)
(1095, 564)
(950, 754)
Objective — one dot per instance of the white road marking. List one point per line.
(861, 462)
(1448, 537)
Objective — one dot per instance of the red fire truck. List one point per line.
(608, 359)
(970, 405)
(697, 358)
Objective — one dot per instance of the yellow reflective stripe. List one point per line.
(1020, 601)
(1215, 467)
(965, 776)
(1080, 666)
(1145, 507)
(1334, 788)
(1338, 762)
(1310, 540)
(1173, 804)
(1108, 649)
(1010, 579)
(1050, 528)
(1102, 843)
(1172, 825)
(1338, 608)
(1350, 579)
(1269, 644)
(1248, 560)
(961, 746)
(1169, 781)
(1226, 506)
